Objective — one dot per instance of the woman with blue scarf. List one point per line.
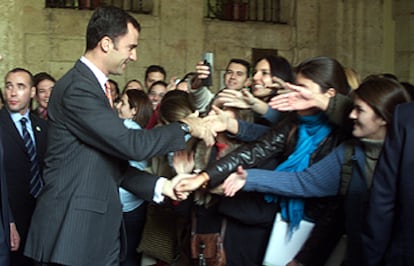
(374, 103)
(296, 142)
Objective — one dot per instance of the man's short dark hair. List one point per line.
(108, 21)
(18, 69)
(155, 68)
(241, 62)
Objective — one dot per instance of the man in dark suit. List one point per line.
(19, 90)
(8, 241)
(389, 230)
(77, 220)
(4, 215)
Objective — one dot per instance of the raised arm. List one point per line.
(272, 144)
(319, 180)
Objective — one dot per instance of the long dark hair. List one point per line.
(382, 95)
(174, 106)
(139, 100)
(326, 72)
(279, 67)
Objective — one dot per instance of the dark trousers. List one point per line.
(4, 247)
(134, 225)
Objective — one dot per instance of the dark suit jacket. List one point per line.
(389, 231)
(5, 213)
(17, 166)
(78, 215)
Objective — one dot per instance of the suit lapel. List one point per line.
(10, 128)
(39, 133)
(88, 74)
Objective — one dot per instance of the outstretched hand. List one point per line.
(199, 129)
(234, 182)
(189, 184)
(217, 119)
(183, 161)
(293, 98)
(169, 187)
(242, 99)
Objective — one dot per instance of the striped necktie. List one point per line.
(36, 182)
(109, 94)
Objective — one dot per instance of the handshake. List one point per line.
(180, 187)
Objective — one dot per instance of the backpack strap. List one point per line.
(346, 171)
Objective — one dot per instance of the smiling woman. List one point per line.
(375, 101)
(296, 142)
(44, 84)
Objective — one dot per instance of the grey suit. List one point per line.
(78, 215)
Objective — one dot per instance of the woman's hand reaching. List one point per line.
(234, 182)
(183, 162)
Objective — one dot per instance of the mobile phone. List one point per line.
(208, 59)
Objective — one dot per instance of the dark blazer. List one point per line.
(388, 237)
(78, 215)
(5, 213)
(17, 166)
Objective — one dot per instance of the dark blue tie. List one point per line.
(36, 182)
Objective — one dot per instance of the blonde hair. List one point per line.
(353, 77)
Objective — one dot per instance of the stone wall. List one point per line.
(371, 36)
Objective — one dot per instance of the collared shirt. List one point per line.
(16, 117)
(102, 79)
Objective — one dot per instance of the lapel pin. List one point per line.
(38, 129)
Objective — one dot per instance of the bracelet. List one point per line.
(206, 179)
(185, 127)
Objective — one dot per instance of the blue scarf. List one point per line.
(312, 130)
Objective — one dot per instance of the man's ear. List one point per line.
(331, 92)
(33, 92)
(105, 43)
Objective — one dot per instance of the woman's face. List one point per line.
(309, 84)
(124, 109)
(156, 94)
(367, 124)
(44, 88)
(262, 79)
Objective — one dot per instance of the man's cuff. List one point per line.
(158, 196)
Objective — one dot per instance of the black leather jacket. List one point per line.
(276, 145)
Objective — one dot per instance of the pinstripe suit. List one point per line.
(78, 215)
